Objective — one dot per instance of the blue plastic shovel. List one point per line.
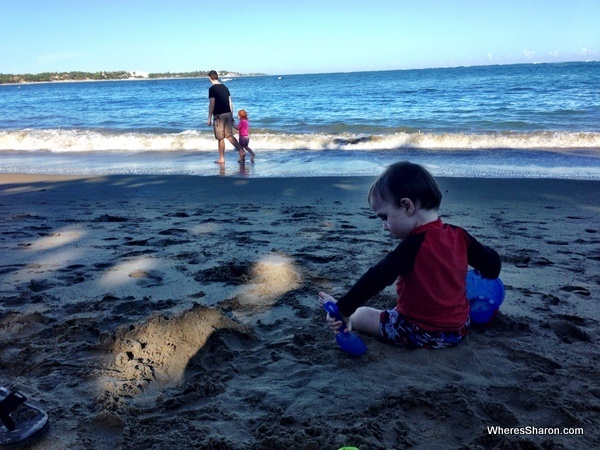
(349, 342)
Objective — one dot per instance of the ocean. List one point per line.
(523, 121)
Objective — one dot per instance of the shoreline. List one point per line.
(137, 78)
(181, 311)
(517, 164)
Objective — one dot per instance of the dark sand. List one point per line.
(173, 312)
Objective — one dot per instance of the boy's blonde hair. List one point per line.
(407, 180)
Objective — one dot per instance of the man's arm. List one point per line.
(211, 108)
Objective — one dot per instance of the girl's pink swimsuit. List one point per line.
(243, 127)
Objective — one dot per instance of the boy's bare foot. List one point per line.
(323, 297)
(220, 161)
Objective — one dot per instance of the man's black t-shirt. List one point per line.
(221, 95)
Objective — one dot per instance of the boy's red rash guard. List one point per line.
(430, 267)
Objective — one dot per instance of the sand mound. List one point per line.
(160, 349)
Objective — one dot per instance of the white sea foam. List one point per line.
(58, 140)
(89, 141)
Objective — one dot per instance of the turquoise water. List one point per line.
(531, 120)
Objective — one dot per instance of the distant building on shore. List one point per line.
(139, 74)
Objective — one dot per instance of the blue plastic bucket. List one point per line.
(485, 297)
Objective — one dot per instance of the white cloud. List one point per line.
(587, 53)
(528, 53)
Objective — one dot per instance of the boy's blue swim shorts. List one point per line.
(396, 330)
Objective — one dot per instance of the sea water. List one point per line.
(528, 120)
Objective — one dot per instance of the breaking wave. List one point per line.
(61, 140)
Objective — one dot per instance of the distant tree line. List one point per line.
(93, 76)
(63, 76)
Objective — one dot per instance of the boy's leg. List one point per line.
(367, 320)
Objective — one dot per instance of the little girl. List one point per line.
(244, 137)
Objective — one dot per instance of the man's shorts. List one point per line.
(223, 126)
(396, 330)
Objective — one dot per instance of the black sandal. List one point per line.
(22, 423)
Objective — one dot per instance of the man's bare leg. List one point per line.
(221, 152)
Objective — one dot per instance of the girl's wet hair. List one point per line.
(407, 180)
(242, 114)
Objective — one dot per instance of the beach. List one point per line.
(175, 311)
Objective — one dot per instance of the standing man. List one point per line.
(219, 112)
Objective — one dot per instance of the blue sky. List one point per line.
(281, 37)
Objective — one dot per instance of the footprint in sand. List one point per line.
(234, 273)
(109, 218)
(41, 285)
(147, 278)
(534, 361)
(569, 332)
(179, 214)
(11, 268)
(576, 290)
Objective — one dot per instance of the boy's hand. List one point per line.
(334, 324)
